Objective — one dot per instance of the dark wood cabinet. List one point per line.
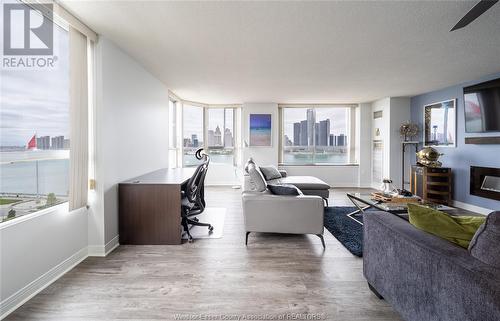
(432, 184)
(149, 210)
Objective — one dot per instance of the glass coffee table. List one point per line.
(365, 201)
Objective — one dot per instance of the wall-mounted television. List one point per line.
(482, 107)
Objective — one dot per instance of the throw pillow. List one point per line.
(284, 189)
(485, 243)
(270, 172)
(257, 178)
(456, 229)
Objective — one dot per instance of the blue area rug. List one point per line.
(345, 229)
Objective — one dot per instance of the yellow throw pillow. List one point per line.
(456, 229)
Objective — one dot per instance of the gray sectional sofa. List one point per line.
(424, 277)
(269, 213)
(309, 185)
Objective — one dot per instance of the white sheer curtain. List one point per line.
(79, 104)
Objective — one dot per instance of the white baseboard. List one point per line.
(104, 250)
(8, 305)
(472, 208)
(17, 299)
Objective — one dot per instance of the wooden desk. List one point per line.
(149, 207)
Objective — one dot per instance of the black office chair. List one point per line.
(193, 202)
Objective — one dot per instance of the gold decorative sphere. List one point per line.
(429, 157)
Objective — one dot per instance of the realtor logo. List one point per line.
(26, 31)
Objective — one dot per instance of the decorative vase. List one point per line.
(387, 187)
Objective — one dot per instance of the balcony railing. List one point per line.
(31, 181)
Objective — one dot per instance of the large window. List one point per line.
(220, 135)
(34, 135)
(193, 137)
(315, 135)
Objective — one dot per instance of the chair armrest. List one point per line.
(283, 172)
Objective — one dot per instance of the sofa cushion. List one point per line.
(302, 182)
(456, 229)
(283, 172)
(485, 243)
(257, 180)
(270, 172)
(284, 189)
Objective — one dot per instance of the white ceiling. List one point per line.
(234, 52)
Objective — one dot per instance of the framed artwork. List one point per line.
(260, 130)
(440, 124)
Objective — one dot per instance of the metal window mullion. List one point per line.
(281, 132)
(205, 128)
(182, 135)
(235, 156)
(314, 137)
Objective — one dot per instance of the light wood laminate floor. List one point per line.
(275, 274)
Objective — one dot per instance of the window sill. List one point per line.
(60, 207)
(319, 165)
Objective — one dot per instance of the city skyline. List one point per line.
(319, 128)
(193, 120)
(214, 139)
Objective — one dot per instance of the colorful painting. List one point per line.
(260, 130)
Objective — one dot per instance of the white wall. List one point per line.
(132, 134)
(400, 112)
(395, 111)
(364, 144)
(35, 250)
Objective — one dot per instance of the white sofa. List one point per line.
(266, 212)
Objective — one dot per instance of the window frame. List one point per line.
(351, 130)
(206, 108)
(206, 122)
(63, 20)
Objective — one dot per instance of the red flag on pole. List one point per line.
(32, 143)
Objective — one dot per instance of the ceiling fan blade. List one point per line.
(480, 8)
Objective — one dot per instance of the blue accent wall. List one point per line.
(460, 158)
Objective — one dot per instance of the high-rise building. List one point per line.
(66, 144)
(332, 140)
(341, 140)
(324, 132)
(316, 133)
(217, 137)
(303, 133)
(311, 123)
(194, 140)
(57, 142)
(228, 138)
(211, 137)
(296, 134)
(43, 142)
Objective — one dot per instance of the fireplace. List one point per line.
(485, 182)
